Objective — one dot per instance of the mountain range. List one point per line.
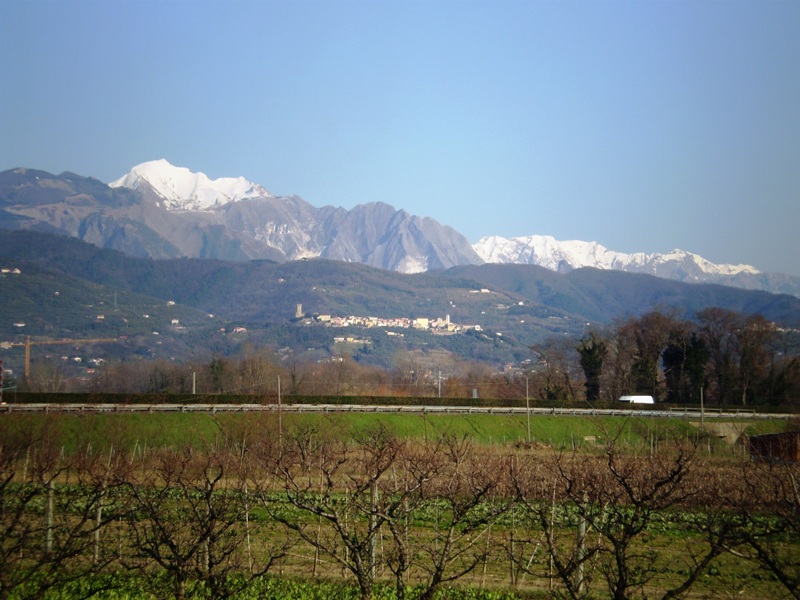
(161, 211)
(678, 265)
(57, 287)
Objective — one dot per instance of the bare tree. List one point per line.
(50, 518)
(412, 374)
(599, 515)
(337, 482)
(189, 516)
(617, 376)
(754, 340)
(717, 328)
(402, 494)
(469, 495)
(47, 376)
(766, 508)
(559, 364)
(651, 334)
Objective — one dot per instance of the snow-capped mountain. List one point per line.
(181, 189)
(679, 265)
(158, 210)
(546, 251)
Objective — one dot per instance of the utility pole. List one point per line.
(528, 408)
(280, 420)
(702, 411)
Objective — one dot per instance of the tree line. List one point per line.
(719, 357)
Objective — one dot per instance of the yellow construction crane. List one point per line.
(28, 343)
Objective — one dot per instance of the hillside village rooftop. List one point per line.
(437, 325)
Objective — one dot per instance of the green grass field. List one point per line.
(175, 492)
(124, 431)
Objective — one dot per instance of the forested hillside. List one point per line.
(516, 318)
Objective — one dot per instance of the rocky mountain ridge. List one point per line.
(169, 212)
(160, 211)
(678, 265)
(563, 256)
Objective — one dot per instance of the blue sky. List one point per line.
(645, 126)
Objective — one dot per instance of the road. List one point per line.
(675, 413)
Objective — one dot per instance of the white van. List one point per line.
(637, 399)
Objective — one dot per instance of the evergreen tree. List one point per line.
(593, 352)
(697, 357)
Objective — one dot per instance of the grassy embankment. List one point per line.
(181, 429)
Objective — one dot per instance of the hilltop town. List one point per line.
(437, 325)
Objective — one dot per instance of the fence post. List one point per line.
(373, 520)
(49, 516)
(579, 574)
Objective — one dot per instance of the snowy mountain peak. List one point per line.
(182, 189)
(546, 251)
